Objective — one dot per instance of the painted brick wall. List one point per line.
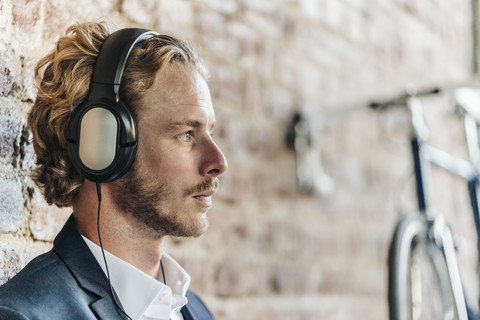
(271, 252)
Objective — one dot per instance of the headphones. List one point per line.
(102, 134)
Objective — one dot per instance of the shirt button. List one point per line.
(164, 296)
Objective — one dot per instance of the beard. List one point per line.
(146, 201)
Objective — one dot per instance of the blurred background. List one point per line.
(283, 243)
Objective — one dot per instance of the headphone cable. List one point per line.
(99, 194)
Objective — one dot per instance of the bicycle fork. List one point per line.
(454, 274)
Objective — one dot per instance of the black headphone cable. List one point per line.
(99, 194)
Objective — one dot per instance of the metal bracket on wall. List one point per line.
(311, 178)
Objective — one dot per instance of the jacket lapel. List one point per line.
(186, 313)
(195, 309)
(74, 252)
(105, 309)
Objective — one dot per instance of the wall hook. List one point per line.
(311, 177)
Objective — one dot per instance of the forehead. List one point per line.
(179, 94)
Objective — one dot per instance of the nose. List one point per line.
(214, 163)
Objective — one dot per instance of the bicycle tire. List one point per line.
(418, 286)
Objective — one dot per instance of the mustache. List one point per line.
(207, 185)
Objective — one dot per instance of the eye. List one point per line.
(186, 136)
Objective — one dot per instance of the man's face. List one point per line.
(168, 190)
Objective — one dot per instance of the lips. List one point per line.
(205, 199)
(207, 193)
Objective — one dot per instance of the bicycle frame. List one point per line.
(422, 155)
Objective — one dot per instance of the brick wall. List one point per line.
(271, 252)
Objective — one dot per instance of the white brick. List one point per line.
(11, 205)
(46, 220)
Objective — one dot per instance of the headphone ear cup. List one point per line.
(102, 140)
(102, 134)
(97, 143)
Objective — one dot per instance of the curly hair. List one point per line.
(63, 77)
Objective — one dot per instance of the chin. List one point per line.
(202, 226)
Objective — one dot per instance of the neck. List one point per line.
(119, 234)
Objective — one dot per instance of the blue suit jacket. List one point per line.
(67, 283)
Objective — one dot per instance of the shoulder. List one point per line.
(45, 288)
(10, 314)
(39, 269)
(41, 275)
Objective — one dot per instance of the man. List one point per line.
(108, 261)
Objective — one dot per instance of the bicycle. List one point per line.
(423, 275)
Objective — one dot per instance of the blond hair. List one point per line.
(63, 77)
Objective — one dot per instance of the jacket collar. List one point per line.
(76, 255)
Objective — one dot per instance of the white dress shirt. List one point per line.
(143, 297)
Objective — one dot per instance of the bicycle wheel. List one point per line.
(418, 285)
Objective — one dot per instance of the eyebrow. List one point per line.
(187, 123)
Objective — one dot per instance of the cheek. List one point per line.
(165, 161)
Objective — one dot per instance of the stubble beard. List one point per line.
(145, 201)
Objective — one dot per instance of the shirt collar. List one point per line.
(141, 294)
